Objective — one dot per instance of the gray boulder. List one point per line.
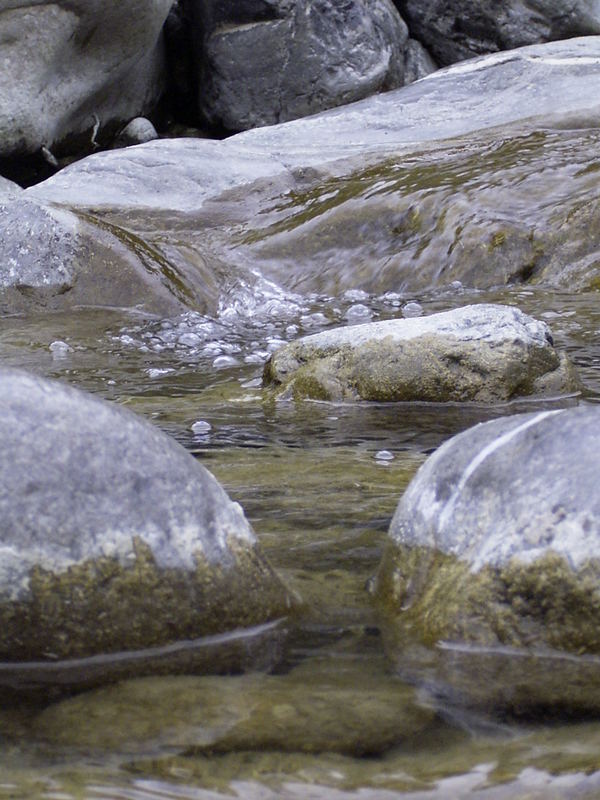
(273, 61)
(487, 353)
(489, 585)
(454, 30)
(115, 540)
(72, 69)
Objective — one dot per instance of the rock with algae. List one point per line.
(487, 353)
(489, 585)
(118, 550)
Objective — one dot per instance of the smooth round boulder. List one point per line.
(489, 586)
(486, 353)
(117, 548)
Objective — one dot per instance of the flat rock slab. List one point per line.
(494, 564)
(486, 353)
(113, 538)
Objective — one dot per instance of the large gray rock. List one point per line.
(494, 564)
(454, 30)
(377, 194)
(75, 68)
(487, 353)
(273, 61)
(115, 540)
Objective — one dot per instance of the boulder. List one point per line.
(73, 69)
(487, 353)
(269, 62)
(417, 62)
(377, 194)
(454, 30)
(8, 189)
(119, 553)
(489, 584)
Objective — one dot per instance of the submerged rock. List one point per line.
(487, 353)
(489, 585)
(114, 540)
(320, 707)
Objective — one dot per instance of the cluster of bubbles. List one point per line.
(253, 320)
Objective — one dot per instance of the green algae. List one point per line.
(520, 639)
(100, 606)
(544, 605)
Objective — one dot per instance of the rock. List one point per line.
(138, 131)
(73, 69)
(8, 189)
(379, 186)
(487, 353)
(279, 60)
(329, 708)
(114, 540)
(417, 62)
(54, 259)
(458, 29)
(489, 585)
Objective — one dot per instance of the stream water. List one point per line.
(320, 483)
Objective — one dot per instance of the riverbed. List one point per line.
(319, 482)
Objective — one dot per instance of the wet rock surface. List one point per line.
(113, 538)
(484, 353)
(493, 564)
(369, 187)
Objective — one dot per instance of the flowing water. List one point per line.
(320, 483)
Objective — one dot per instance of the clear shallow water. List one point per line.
(320, 494)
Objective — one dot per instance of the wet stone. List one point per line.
(489, 585)
(120, 554)
(485, 353)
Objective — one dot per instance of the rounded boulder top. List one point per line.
(113, 538)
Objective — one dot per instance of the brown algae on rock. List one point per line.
(99, 606)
